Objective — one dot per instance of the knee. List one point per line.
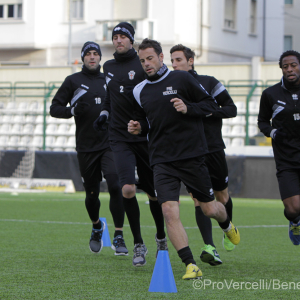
(113, 184)
(168, 211)
(292, 210)
(128, 190)
(92, 193)
(209, 209)
(222, 196)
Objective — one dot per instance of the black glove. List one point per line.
(100, 122)
(279, 135)
(80, 108)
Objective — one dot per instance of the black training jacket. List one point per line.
(213, 125)
(277, 104)
(90, 88)
(121, 78)
(172, 135)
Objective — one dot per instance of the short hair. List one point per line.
(188, 53)
(148, 43)
(288, 53)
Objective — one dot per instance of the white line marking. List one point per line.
(125, 225)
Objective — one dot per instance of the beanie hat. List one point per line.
(125, 29)
(88, 46)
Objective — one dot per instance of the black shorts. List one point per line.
(93, 164)
(192, 172)
(289, 182)
(218, 170)
(127, 156)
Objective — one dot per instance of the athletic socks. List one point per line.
(98, 225)
(186, 255)
(116, 206)
(228, 207)
(158, 217)
(205, 226)
(225, 225)
(118, 232)
(133, 215)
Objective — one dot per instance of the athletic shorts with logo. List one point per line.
(127, 156)
(93, 164)
(289, 182)
(218, 170)
(192, 172)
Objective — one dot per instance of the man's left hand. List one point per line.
(179, 105)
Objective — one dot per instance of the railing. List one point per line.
(242, 92)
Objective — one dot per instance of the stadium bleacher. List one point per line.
(22, 118)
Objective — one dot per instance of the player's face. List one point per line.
(151, 62)
(121, 43)
(179, 61)
(92, 60)
(291, 69)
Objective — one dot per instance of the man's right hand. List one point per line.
(99, 123)
(134, 127)
(279, 135)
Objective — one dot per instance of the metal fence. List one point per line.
(25, 102)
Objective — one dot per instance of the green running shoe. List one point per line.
(210, 255)
(228, 246)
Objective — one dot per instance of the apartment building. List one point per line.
(37, 32)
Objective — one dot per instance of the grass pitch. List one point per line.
(44, 253)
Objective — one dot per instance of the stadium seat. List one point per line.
(11, 106)
(37, 142)
(16, 129)
(238, 131)
(23, 106)
(226, 141)
(238, 120)
(25, 142)
(60, 143)
(226, 130)
(252, 130)
(3, 141)
(19, 119)
(39, 119)
(30, 119)
(2, 105)
(72, 130)
(51, 129)
(253, 107)
(36, 107)
(13, 142)
(226, 121)
(39, 129)
(7, 119)
(28, 129)
(63, 129)
(237, 142)
(71, 144)
(51, 120)
(241, 107)
(50, 141)
(5, 128)
(252, 120)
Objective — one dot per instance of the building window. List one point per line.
(11, 11)
(77, 9)
(288, 1)
(288, 42)
(230, 14)
(253, 16)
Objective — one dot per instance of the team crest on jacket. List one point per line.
(169, 91)
(131, 75)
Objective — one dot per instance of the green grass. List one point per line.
(44, 252)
